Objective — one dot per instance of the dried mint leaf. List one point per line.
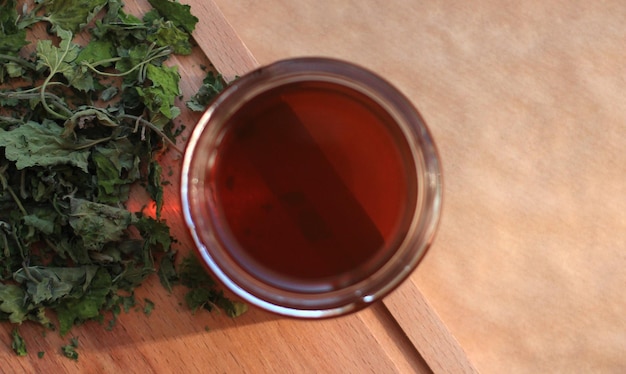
(178, 13)
(212, 85)
(167, 34)
(18, 344)
(12, 38)
(57, 59)
(69, 350)
(40, 144)
(161, 95)
(72, 15)
(202, 292)
(68, 243)
(98, 50)
(97, 224)
(168, 276)
(52, 283)
(42, 219)
(88, 305)
(154, 187)
(148, 306)
(13, 303)
(117, 168)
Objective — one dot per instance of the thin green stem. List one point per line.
(31, 94)
(152, 127)
(31, 17)
(53, 71)
(19, 244)
(10, 120)
(51, 245)
(29, 90)
(23, 193)
(19, 61)
(27, 272)
(42, 97)
(92, 143)
(7, 187)
(161, 52)
(5, 243)
(17, 200)
(93, 68)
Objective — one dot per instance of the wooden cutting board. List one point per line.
(172, 339)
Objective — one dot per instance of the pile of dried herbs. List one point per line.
(83, 117)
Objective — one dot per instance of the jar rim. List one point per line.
(411, 250)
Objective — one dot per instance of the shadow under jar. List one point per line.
(311, 187)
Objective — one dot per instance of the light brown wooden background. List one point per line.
(527, 102)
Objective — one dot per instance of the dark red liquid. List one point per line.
(315, 184)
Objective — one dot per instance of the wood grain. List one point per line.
(219, 42)
(424, 327)
(526, 103)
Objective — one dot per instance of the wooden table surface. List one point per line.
(172, 339)
(527, 274)
(527, 103)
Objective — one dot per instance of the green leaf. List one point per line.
(123, 154)
(14, 70)
(155, 233)
(234, 308)
(68, 244)
(13, 302)
(75, 250)
(83, 117)
(197, 298)
(178, 13)
(117, 167)
(98, 224)
(148, 306)
(18, 344)
(167, 34)
(113, 12)
(48, 284)
(108, 93)
(111, 187)
(72, 15)
(211, 86)
(167, 271)
(12, 43)
(130, 58)
(34, 144)
(12, 38)
(42, 219)
(202, 291)
(88, 306)
(98, 52)
(161, 95)
(69, 350)
(154, 187)
(57, 59)
(80, 77)
(40, 317)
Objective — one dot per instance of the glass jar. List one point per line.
(311, 187)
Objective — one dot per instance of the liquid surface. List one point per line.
(313, 184)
